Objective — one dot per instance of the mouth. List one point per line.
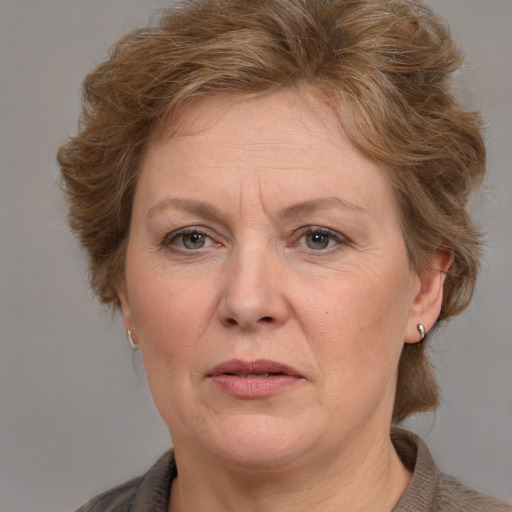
(254, 379)
(253, 369)
(254, 375)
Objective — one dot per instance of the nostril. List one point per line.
(230, 321)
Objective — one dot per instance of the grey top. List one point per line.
(428, 491)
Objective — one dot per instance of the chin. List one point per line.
(254, 442)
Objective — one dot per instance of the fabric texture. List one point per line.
(428, 491)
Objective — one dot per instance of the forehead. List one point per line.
(289, 116)
(289, 141)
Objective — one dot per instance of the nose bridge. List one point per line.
(252, 294)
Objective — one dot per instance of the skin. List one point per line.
(253, 181)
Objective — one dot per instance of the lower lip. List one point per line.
(254, 387)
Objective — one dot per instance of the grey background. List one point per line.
(75, 415)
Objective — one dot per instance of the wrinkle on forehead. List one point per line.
(287, 131)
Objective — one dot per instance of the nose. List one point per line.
(253, 291)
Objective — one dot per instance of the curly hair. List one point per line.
(384, 66)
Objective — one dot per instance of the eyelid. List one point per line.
(323, 230)
(169, 238)
(335, 235)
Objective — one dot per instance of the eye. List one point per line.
(193, 240)
(189, 239)
(319, 239)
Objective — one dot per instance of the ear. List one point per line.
(126, 313)
(429, 296)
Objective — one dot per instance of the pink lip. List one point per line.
(243, 379)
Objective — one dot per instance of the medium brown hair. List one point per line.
(383, 65)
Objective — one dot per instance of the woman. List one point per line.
(274, 194)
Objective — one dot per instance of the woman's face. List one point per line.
(267, 284)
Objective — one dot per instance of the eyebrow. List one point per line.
(316, 205)
(209, 211)
(190, 205)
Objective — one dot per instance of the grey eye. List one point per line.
(193, 240)
(317, 240)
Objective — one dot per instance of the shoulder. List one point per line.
(431, 490)
(114, 500)
(147, 493)
(453, 496)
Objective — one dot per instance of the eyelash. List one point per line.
(314, 230)
(175, 236)
(171, 238)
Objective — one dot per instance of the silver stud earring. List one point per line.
(134, 345)
(421, 330)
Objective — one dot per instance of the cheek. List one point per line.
(171, 318)
(356, 326)
(170, 315)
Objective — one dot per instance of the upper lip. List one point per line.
(239, 367)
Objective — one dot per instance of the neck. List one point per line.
(369, 477)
